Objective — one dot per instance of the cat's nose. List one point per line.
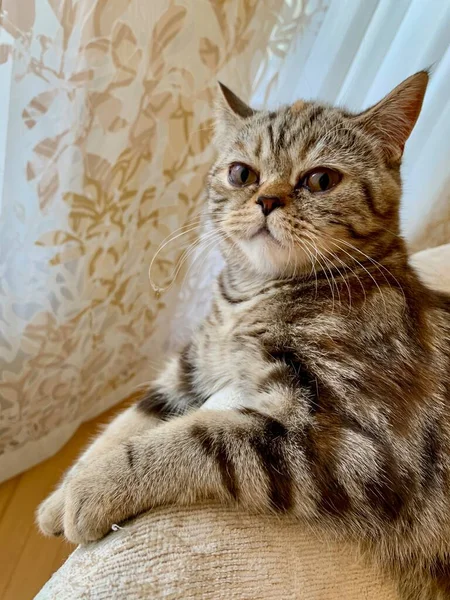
(269, 203)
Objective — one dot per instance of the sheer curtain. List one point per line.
(362, 49)
(105, 124)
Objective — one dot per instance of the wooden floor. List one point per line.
(28, 559)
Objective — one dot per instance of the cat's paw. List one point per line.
(100, 494)
(50, 513)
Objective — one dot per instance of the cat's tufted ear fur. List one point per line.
(393, 118)
(230, 111)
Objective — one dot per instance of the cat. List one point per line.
(339, 354)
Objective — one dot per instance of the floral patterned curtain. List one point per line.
(105, 129)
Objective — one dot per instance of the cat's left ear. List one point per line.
(230, 111)
(393, 118)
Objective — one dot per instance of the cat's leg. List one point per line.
(167, 396)
(330, 470)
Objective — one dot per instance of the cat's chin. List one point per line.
(268, 256)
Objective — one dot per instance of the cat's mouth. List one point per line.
(265, 232)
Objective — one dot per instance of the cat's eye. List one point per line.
(240, 175)
(321, 179)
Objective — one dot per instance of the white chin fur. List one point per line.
(270, 258)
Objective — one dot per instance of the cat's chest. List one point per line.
(233, 351)
(240, 348)
(235, 338)
(228, 397)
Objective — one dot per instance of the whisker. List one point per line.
(286, 267)
(324, 272)
(339, 271)
(204, 240)
(355, 274)
(343, 277)
(208, 247)
(170, 238)
(367, 271)
(378, 265)
(205, 252)
(333, 279)
(313, 261)
(185, 255)
(311, 257)
(313, 268)
(191, 223)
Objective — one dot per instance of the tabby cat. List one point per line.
(339, 354)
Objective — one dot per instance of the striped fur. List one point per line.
(341, 355)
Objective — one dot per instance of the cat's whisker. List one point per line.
(310, 255)
(313, 261)
(206, 250)
(332, 276)
(378, 265)
(191, 133)
(169, 239)
(287, 265)
(324, 272)
(338, 270)
(293, 241)
(347, 266)
(397, 235)
(186, 252)
(333, 279)
(325, 133)
(317, 251)
(367, 271)
(354, 273)
(313, 270)
(206, 241)
(343, 277)
(191, 223)
(185, 255)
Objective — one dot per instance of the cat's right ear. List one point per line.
(393, 118)
(230, 112)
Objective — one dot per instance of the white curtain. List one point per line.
(362, 49)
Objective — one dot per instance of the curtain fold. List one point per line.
(105, 136)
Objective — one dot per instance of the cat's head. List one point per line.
(309, 182)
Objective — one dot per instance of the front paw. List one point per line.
(50, 513)
(97, 496)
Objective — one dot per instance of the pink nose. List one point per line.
(269, 203)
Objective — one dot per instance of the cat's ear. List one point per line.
(393, 118)
(230, 111)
